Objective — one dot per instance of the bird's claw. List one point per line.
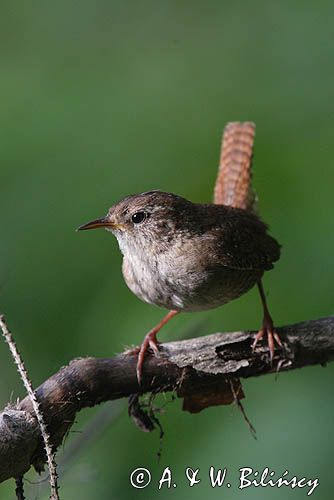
(150, 340)
(272, 337)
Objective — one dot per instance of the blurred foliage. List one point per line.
(103, 99)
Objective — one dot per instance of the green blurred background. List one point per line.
(103, 99)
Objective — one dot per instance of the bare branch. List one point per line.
(199, 370)
(29, 388)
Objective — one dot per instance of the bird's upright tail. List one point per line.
(233, 185)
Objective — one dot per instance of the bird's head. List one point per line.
(147, 221)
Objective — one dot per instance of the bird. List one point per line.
(187, 257)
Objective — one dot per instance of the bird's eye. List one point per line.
(139, 217)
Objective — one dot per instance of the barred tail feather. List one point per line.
(233, 186)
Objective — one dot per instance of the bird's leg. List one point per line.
(267, 326)
(150, 340)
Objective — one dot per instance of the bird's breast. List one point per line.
(145, 280)
(185, 285)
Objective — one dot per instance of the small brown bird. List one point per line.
(186, 256)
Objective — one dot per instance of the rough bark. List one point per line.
(199, 370)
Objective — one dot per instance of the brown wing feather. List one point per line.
(245, 243)
(239, 238)
(233, 185)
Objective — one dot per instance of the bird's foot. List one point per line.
(272, 336)
(150, 341)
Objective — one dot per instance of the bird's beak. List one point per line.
(95, 224)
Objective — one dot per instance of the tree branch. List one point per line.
(199, 370)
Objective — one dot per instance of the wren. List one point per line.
(188, 257)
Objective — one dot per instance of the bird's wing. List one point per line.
(242, 242)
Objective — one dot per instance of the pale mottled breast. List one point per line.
(184, 286)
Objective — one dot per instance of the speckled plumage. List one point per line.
(187, 256)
